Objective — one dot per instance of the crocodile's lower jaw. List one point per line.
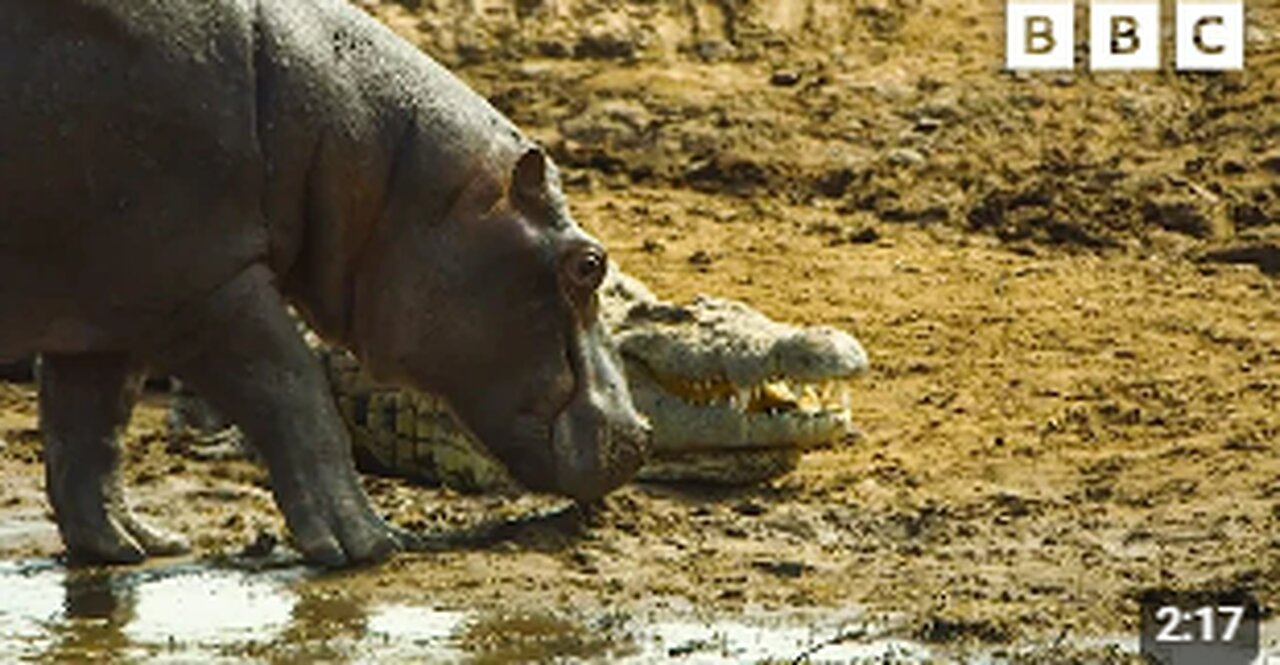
(708, 416)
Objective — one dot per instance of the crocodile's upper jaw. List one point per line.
(718, 374)
(766, 417)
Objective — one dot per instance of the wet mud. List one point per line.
(191, 611)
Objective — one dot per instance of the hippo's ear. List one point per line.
(529, 181)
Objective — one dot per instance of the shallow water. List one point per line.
(198, 612)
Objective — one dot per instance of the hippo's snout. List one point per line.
(599, 440)
(598, 447)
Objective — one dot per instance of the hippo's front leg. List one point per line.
(252, 364)
(85, 403)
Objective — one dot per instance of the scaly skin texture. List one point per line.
(733, 396)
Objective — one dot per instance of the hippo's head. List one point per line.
(494, 307)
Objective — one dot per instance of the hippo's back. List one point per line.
(129, 167)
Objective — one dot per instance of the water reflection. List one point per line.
(199, 612)
(93, 613)
(49, 614)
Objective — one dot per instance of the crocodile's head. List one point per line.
(716, 374)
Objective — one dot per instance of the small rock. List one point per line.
(651, 246)
(691, 647)
(714, 50)
(261, 546)
(1178, 216)
(928, 125)
(863, 236)
(552, 48)
(785, 78)
(788, 569)
(1271, 163)
(605, 45)
(1233, 167)
(750, 509)
(732, 594)
(701, 258)
(904, 157)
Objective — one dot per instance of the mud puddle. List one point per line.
(199, 612)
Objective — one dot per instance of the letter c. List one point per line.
(1199, 35)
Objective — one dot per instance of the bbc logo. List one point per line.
(1124, 34)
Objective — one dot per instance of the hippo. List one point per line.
(176, 175)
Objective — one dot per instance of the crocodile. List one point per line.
(733, 397)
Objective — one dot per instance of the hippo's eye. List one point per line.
(586, 268)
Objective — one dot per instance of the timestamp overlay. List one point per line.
(1200, 628)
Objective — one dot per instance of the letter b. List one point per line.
(1124, 34)
(1039, 34)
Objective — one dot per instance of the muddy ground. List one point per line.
(1066, 283)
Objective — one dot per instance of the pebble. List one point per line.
(785, 78)
(789, 569)
(701, 258)
(928, 125)
(261, 546)
(863, 236)
(904, 157)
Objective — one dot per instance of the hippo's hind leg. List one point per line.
(255, 368)
(85, 403)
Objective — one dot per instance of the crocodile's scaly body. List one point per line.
(732, 396)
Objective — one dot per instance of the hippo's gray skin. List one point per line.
(174, 172)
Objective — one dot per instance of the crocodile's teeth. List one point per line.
(779, 392)
(810, 399)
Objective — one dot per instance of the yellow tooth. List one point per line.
(777, 393)
(810, 400)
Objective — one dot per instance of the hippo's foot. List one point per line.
(85, 400)
(154, 541)
(331, 522)
(118, 539)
